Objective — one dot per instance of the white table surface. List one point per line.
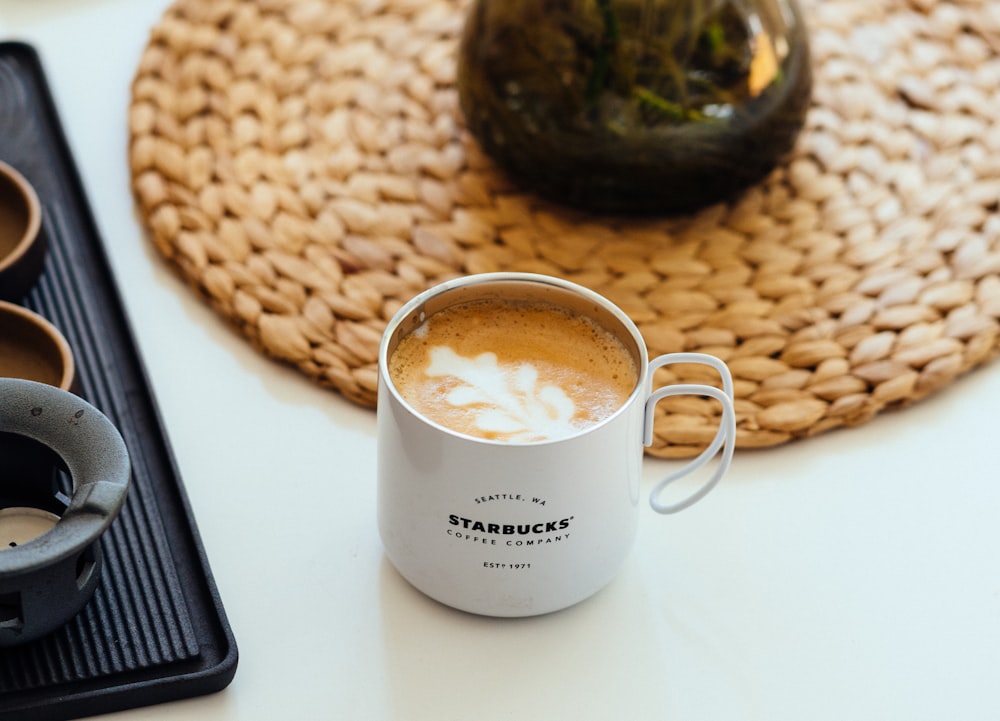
(850, 576)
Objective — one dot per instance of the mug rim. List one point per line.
(419, 301)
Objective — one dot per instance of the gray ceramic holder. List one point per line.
(47, 580)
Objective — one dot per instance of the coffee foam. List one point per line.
(512, 371)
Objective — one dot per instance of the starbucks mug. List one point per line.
(525, 528)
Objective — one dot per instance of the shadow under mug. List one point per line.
(520, 529)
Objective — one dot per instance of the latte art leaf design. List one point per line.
(506, 398)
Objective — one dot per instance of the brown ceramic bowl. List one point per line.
(22, 244)
(33, 349)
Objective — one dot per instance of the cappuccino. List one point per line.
(512, 370)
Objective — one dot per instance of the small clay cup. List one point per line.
(33, 349)
(22, 243)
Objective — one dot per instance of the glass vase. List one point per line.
(635, 106)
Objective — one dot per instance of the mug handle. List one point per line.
(725, 437)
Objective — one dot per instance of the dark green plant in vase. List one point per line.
(635, 106)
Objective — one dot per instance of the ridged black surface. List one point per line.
(155, 629)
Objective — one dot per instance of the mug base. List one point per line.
(497, 605)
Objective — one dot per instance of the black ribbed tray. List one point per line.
(155, 629)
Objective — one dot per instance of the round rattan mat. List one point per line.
(304, 166)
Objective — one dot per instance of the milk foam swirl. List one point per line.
(509, 399)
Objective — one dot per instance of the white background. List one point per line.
(851, 576)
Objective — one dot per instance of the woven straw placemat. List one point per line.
(304, 166)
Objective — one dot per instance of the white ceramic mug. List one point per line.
(520, 529)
